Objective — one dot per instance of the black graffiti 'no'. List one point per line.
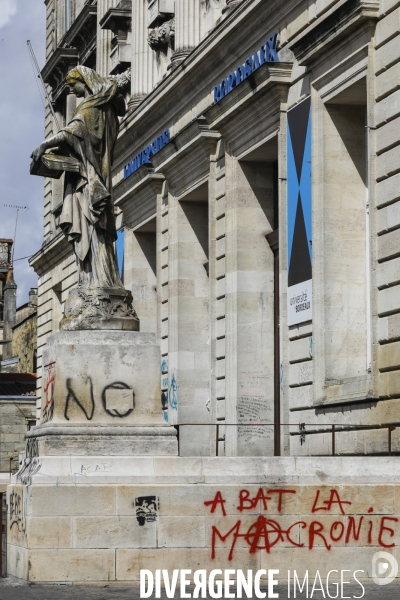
(88, 410)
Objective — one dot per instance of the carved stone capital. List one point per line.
(99, 308)
(178, 57)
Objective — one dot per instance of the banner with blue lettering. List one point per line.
(299, 213)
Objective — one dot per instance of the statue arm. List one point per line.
(52, 142)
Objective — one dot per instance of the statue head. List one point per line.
(97, 90)
(76, 82)
(83, 79)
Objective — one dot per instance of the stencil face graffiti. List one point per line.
(146, 509)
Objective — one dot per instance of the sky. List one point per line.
(22, 130)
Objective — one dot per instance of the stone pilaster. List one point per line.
(103, 38)
(143, 67)
(187, 32)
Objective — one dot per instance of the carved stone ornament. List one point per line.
(123, 79)
(96, 308)
(162, 35)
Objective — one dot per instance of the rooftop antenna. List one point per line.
(39, 74)
(17, 208)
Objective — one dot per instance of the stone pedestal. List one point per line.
(101, 396)
(101, 414)
(102, 494)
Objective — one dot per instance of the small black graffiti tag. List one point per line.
(146, 509)
(98, 468)
(31, 463)
(17, 511)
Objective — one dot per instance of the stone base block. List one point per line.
(100, 378)
(100, 520)
(103, 441)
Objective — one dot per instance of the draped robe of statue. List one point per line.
(87, 217)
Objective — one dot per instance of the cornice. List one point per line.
(51, 254)
(330, 29)
(136, 196)
(114, 17)
(128, 189)
(356, 68)
(186, 159)
(87, 15)
(262, 81)
(55, 69)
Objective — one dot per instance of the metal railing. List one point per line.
(2, 574)
(333, 429)
(11, 464)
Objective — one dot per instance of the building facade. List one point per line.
(17, 416)
(7, 293)
(256, 186)
(20, 327)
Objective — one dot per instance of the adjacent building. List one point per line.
(256, 182)
(18, 326)
(20, 331)
(17, 364)
(17, 416)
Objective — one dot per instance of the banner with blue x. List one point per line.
(299, 213)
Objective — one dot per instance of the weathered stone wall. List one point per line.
(203, 514)
(15, 414)
(387, 142)
(24, 344)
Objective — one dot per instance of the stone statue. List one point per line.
(87, 217)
